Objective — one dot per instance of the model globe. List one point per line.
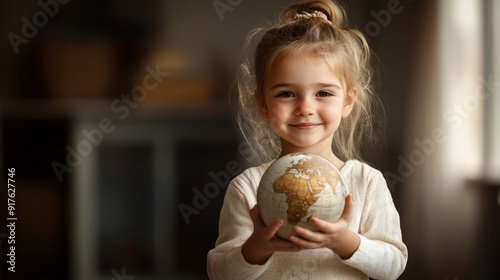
(298, 186)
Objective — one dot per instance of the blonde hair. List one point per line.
(313, 28)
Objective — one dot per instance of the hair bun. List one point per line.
(325, 9)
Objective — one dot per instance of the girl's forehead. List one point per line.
(306, 53)
(297, 58)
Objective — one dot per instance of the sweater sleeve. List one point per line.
(225, 261)
(381, 253)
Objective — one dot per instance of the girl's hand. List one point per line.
(335, 236)
(263, 242)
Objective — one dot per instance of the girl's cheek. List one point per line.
(276, 117)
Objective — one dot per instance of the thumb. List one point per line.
(255, 213)
(346, 215)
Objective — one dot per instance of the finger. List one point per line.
(322, 225)
(303, 243)
(254, 212)
(285, 245)
(256, 218)
(346, 215)
(307, 234)
(258, 224)
(272, 229)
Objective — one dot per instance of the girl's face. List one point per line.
(304, 101)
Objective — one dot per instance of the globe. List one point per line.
(298, 186)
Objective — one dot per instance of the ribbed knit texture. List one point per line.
(381, 254)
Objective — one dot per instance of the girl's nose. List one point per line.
(305, 107)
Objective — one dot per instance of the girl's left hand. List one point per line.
(335, 236)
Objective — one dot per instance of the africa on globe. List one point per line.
(298, 186)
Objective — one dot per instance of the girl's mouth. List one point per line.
(305, 126)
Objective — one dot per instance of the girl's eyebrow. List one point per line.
(278, 85)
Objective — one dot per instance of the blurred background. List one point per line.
(118, 119)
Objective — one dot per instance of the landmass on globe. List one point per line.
(314, 174)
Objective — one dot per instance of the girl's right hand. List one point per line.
(263, 243)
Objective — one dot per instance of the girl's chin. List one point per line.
(306, 145)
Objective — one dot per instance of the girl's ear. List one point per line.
(261, 102)
(349, 102)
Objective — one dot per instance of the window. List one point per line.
(492, 91)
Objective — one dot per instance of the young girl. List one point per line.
(309, 91)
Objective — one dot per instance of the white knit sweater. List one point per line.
(381, 253)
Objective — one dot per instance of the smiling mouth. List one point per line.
(305, 126)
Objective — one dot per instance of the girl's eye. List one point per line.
(285, 94)
(324, 93)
